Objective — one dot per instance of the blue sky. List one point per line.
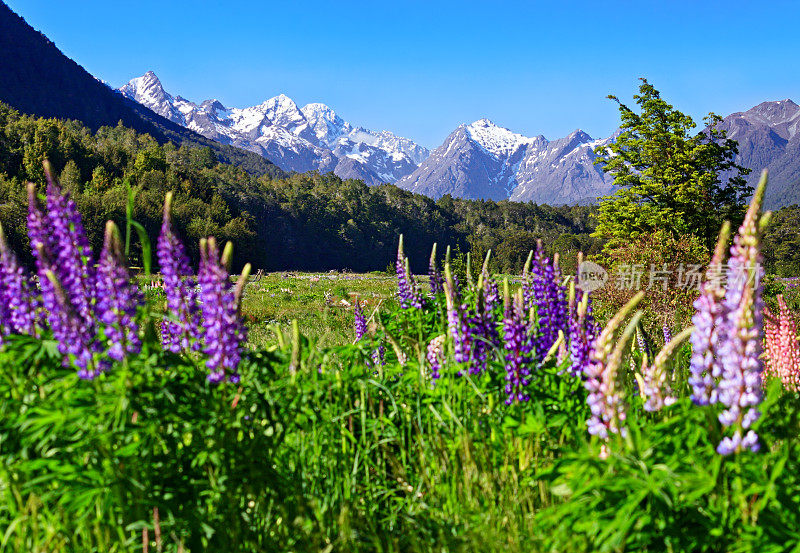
(420, 69)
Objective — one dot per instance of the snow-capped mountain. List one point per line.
(299, 139)
(483, 160)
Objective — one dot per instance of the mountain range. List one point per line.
(480, 160)
(312, 137)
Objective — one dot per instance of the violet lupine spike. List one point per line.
(76, 340)
(184, 333)
(17, 294)
(378, 355)
(455, 320)
(224, 332)
(72, 261)
(360, 322)
(407, 291)
(667, 331)
(118, 299)
(434, 275)
(582, 332)
(476, 331)
(740, 388)
(545, 292)
(519, 348)
(74, 334)
(710, 328)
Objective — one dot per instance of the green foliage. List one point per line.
(781, 243)
(668, 179)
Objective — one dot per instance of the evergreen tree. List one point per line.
(669, 179)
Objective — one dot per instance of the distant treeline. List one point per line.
(302, 222)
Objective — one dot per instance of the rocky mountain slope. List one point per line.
(483, 160)
(769, 138)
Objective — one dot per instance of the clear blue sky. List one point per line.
(421, 68)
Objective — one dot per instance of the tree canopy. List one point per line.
(669, 179)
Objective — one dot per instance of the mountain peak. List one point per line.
(498, 141)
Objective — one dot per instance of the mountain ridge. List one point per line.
(311, 137)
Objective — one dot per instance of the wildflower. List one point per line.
(518, 346)
(740, 383)
(653, 381)
(378, 355)
(360, 322)
(117, 298)
(782, 348)
(407, 291)
(491, 293)
(71, 252)
(74, 333)
(434, 275)
(710, 329)
(456, 324)
(544, 291)
(582, 332)
(184, 332)
(224, 332)
(18, 302)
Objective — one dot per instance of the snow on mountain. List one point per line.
(484, 160)
(299, 139)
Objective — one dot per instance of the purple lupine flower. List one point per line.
(72, 261)
(582, 332)
(407, 291)
(667, 333)
(456, 325)
(491, 293)
(710, 328)
(434, 275)
(543, 290)
(740, 387)
(479, 332)
(18, 301)
(74, 334)
(118, 299)
(76, 340)
(435, 355)
(518, 346)
(360, 322)
(224, 332)
(378, 355)
(184, 332)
